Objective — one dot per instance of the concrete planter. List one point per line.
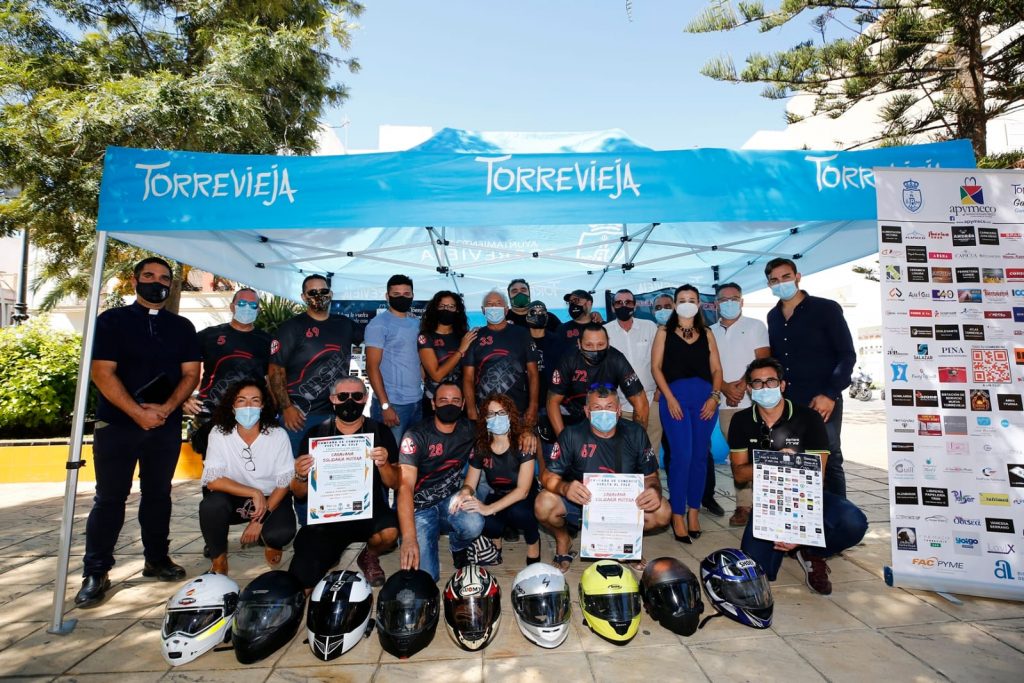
(42, 460)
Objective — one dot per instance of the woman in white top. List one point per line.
(246, 475)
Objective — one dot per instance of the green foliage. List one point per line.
(931, 65)
(38, 373)
(275, 310)
(1007, 160)
(246, 76)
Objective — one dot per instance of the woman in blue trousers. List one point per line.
(685, 365)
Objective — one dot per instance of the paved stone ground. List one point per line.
(864, 631)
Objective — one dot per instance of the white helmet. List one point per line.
(199, 617)
(540, 600)
(339, 613)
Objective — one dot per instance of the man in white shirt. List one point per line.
(740, 340)
(633, 337)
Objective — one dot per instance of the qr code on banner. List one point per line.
(990, 366)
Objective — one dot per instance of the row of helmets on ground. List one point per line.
(210, 610)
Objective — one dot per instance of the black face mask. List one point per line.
(348, 411)
(575, 311)
(448, 413)
(537, 322)
(446, 317)
(623, 313)
(402, 304)
(153, 292)
(594, 357)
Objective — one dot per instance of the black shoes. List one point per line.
(511, 534)
(712, 506)
(164, 570)
(94, 590)
(460, 558)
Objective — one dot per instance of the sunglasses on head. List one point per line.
(319, 292)
(356, 396)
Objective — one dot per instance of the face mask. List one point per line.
(575, 311)
(521, 300)
(448, 413)
(498, 424)
(348, 411)
(153, 292)
(623, 313)
(319, 303)
(603, 420)
(662, 315)
(402, 304)
(494, 314)
(245, 315)
(730, 310)
(687, 310)
(766, 397)
(537, 322)
(446, 317)
(594, 357)
(785, 290)
(247, 416)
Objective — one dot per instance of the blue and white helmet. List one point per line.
(737, 587)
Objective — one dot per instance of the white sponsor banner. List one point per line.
(951, 262)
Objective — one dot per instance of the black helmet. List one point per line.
(269, 614)
(407, 611)
(339, 614)
(472, 607)
(737, 587)
(671, 595)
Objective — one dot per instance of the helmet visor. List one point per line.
(676, 598)
(254, 618)
(405, 617)
(615, 607)
(472, 615)
(750, 593)
(337, 618)
(544, 610)
(190, 622)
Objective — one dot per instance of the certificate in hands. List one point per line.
(341, 479)
(613, 525)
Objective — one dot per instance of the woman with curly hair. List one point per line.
(509, 471)
(443, 341)
(246, 475)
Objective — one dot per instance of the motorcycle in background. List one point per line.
(860, 385)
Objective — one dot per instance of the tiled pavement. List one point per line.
(864, 631)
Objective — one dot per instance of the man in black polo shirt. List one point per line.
(432, 459)
(603, 444)
(318, 547)
(593, 362)
(777, 424)
(810, 338)
(145, 364)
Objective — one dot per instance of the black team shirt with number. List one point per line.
(579, 451)
(574, 377)
(230, 355)
(315, 354)
(439, 459)
(500, 358)
(500, 469)
(444, 347)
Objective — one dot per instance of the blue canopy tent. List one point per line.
(470, 211)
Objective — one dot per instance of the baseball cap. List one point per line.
(579, 294)
(535, 310)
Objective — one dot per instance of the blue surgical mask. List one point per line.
(767, 397)
(248, 416)
(662, 315)
(730, 310)
(498, 424)
(245, 315)
(785, 290)
(494, 314)
(603, 420)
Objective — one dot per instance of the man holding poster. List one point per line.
(775, 424)
(603, 444)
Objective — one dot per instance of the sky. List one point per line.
(554, 65)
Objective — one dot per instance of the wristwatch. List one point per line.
(385, 406)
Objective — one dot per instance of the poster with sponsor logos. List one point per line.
(951, 260)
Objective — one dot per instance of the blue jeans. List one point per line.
(295, 438)
(408, 415)
(689, 440)
(835, 475)
(845, 526)
(462, 528)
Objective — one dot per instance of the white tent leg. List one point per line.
(59, 626)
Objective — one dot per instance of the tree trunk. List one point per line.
(973, 119)
(174, 298)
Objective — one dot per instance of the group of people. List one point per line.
(478, 433)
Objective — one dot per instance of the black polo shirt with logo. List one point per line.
(799, 428)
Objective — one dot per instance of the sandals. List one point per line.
(564, 562)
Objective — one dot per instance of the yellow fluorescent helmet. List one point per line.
(610, 600)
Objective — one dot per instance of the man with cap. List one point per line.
(519, 304)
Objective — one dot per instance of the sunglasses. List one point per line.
(357, 396)
(627, 304)
(247, 456)
(319, 292)
(254, 305)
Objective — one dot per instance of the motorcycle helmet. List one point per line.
(269, 614)
(338, 615)
(610, 598)
(198, 618)
(408, 606)
(472, 607)
(737, 587)
(541, 604)
(671, 595)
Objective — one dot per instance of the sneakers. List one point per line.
(816, 571)
(740, 517)
(369, 565)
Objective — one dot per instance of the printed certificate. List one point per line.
(613, 526)
(788, 498)
(341, 480)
